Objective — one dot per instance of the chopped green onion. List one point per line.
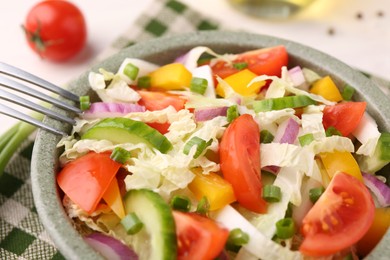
(144, 82)
(236, 239)
(384, 146)
(131, 71)
(132, 223)
(332, 131)
(266, 137)
(181, 203)
(270, 104)
(306, 139)
(315, 193)
(203, 206)
(348, 92)
(240, 65)
(232, 113)
(120, 155)
(199, 142)
(272, 193)
(285, 228)
(84, 103)
(198, 85)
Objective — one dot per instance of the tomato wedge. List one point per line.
(268, 61)
(345, 117)
(85, 179)
(341, 217)
(157, 100)
(198, 237)
(163, 128)
(240, 162)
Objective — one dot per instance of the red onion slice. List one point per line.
(110, 247)
(182, 58)
(104, 109)
(204, 114)
(380, 190)
(287, 132)
(296, 75)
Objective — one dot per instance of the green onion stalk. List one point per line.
(11, 140)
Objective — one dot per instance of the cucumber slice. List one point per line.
(282, 103)
(156, 215)
(124, 130)
(380, 158)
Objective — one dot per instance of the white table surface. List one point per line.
(362, 43)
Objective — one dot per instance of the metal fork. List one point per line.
(6, 81)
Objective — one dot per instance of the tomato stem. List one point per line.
(36, 39)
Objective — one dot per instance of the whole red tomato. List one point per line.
(55, 29)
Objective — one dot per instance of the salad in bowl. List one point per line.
(217, 150)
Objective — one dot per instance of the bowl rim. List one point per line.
(44, 158)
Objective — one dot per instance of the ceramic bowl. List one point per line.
(161, 51)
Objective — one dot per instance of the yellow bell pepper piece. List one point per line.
(341, 162)
(239, 82)
(377, 230)
(217, 190)
(112, 197)
(171, 76)
(326, 88)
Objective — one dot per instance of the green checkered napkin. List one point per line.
(22, 236)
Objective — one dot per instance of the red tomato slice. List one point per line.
(267, 61)
(85, 179)
(240, 162)
(161, 127)
(198, 237)
(345, 117)
(157, 100)
(341, 217)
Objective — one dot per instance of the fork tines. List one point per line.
(9, 83)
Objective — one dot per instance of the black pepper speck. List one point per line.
(331, 31)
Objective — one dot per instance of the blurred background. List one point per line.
(354, 31)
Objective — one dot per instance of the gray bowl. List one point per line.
(164, 50)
